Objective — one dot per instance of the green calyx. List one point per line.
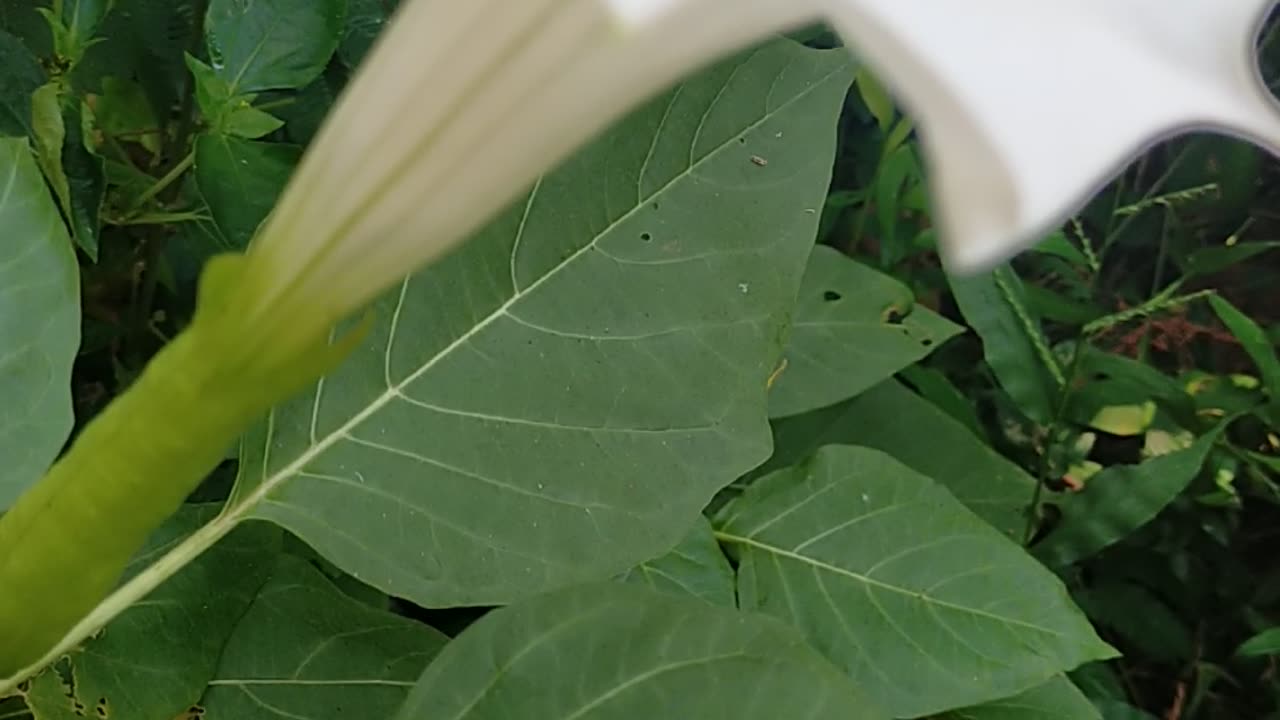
(65, 544)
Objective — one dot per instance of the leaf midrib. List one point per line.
(837, 570)
(241, 510)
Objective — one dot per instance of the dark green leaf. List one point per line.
(995, 306)
(365, 20)
(86, 181)
(1057, 307)
(1128, 380)
(1121, 499)
(154, 660)
(1141, 619)
(304, 116)
(895, 420)
(1114, 710)
(923, 604)
(305, 650)
(620, 652)
(556, 401)
(77, 175)
(241, 180)
(853, 328)
(1209, 260)
(1058, 245)
(1057, 699)
(1255, 342)
(934, 386)
(39, 322)
(696, 568)
(1266, 642)
(20, 75)
(272, 44)
(226, 112)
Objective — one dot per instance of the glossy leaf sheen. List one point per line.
(924, 605)
(558, 400)
(303, 649)
(619, 652)
(854, 327)
(696, 568)
(37, 271)
(894, 420)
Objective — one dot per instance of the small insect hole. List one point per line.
(927, 342)
(646, 237)
(831, 296)
(893, 316)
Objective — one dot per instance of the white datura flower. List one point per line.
(1025, 107)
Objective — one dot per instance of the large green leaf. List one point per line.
(924, 605)
(154, 660)
(995, 306)
(558, 400)
(1057, 699)
(696, 567)
(241, 180)
(272, 44)
(619, 652)
(305, 650)
(39, 322)
(1121, 499)
(892, 419)
(854, 327)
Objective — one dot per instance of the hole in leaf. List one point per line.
(927, 342)
(831, 296)
(646, 237)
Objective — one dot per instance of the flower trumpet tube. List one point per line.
(1024, 109)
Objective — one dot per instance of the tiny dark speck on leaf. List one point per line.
(893, 316)
(831, 296)
(646, 237)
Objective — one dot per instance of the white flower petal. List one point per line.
(1026, 108)
(459, 108)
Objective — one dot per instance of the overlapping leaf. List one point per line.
(305, 650)
(1057, 699)
(1121, 499)
(558, 400)
(923, 604)
(272, 44)
(154, 659)
(620, 652)
(696, 567)
(892, 419)
(994, 305)
(854, 327)
(39, 322)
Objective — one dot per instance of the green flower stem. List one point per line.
(66, 542)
